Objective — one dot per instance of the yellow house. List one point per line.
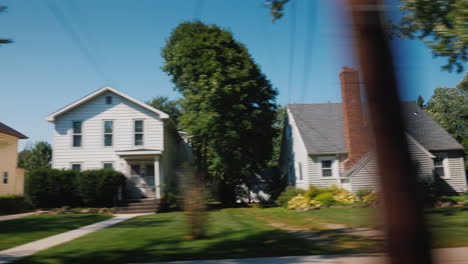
(11, 177)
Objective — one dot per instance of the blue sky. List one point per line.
(66, 49)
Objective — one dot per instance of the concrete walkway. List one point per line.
(14, 216)
(441, 256)
(12, 254)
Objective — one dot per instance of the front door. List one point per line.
(142, 179)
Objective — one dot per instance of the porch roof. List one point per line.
(134, 152)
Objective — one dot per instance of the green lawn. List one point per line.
(23, 230)
(232, 233)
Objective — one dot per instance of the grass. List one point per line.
(26, 229)
(449, 226)
(232, 233)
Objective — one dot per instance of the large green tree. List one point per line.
(448, 106)
(441, 24)
(40, 156)
(170, 107)
(228, 105)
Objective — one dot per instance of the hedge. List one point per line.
(49, 188)
(13, 204)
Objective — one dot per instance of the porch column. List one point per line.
(157, 187)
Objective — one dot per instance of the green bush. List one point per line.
(100, 187)
(52, 188)
(363, 192)
(313, 192)
(47, 188)
(287, 195)
(325, 198)
(14, 204)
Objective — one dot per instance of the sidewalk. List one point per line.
(12, 254)
(14, 216)
(441, 256)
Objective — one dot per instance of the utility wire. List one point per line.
(311, 19)
(292, 41)
(62, 19)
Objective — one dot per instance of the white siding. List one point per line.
(315, 178)
(92, 153)
(457, 180)
(293, 154)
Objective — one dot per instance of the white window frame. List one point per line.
(73, 134)
(142, 133)
(301, 175)
(104, 133)
(108, 162)
(5, 177)
(445, 164)
(335, 167)
(76, 163)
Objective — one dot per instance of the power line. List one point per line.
(308, 46)
(292, 38)
(76, 39)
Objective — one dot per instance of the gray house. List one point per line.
(328, 144)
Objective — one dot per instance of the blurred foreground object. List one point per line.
(407, 238)
(194, 202)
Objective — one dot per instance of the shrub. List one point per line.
(312, 192)
(325, 198)
(372, 198)
(100, 187)
(345, 197)
(287, 195)
(301, 201)
(14, 204)
(47, 188)
(363, 192)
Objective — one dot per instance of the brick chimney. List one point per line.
(356, 134)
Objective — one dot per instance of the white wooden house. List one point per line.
(328, 144)
(109, 129)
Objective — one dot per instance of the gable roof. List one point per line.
(51, 117)
(322, 128)
(10, 131)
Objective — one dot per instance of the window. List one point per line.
(138, 126)
(441, 166)
(77, 133)
(107, 165)
(327, 170)
(5, 177)
(108, 132)
(135, 170)
(108, 99)
(300, 171)
(76, 166)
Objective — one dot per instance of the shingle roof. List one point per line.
(321, 127)
(10, 131)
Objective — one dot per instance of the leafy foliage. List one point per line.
(287, 195)
(228, 105)
(13, 204)
(301, 201)
(326, 198)
(442, 24)
(170, 107)
(447, 106)
(4, 41)
(372, 198)
(39, 156)
(49, 188)
(276, 8)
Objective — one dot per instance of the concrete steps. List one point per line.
(149, 205)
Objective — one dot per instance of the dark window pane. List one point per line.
(138, 139)
(108, 126)
(107, 140)
(149, 170)
(326, 164)
(438, 162)
(108, 99)
(5, 177)
(108, 166)
(76, 167)
(439, 171)
(326, 172)
(76, 127)
(76, 141)
(135, 169)
(138, 126)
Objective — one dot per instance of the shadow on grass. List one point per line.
(449, 211)
(222, 245)
(48, 222)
